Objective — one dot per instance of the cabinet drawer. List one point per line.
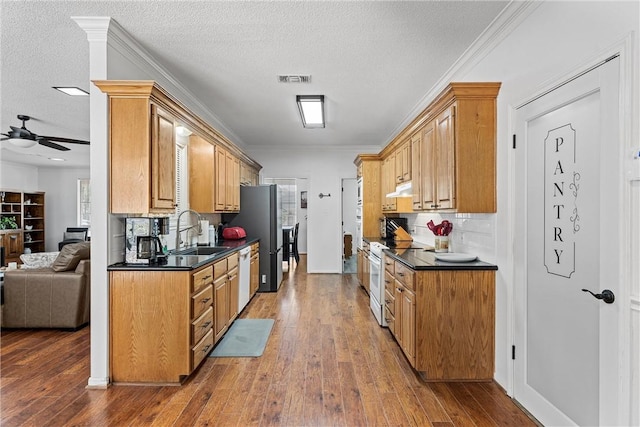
(201, 349)
(201, 301)
(255, 248)
(389, 302)
(388, 282)
(391, 320)
(389, 265)
(405, 275)
(219, 268)
(232, 261)
(201, 325)
(201, 278)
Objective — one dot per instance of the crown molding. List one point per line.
(108, 30)
(501, 27)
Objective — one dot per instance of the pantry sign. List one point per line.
(561, 189)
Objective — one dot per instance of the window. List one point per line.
(288, 191)
(182, 179)
(84, 203)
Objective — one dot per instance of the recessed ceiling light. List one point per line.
(57, 159)
(73, 91)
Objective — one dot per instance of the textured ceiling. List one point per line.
(373, 61)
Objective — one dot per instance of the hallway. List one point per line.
(327, 362)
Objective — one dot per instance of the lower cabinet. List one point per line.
(160, 324)
(164, 323)
(226, 288)
(254, 269)
(443, 320)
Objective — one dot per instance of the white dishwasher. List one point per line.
(244, 277)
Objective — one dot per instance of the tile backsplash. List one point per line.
(472, 233)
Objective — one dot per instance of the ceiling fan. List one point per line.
(24, 138)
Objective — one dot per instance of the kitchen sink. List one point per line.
(204, 250)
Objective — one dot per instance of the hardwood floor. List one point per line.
(326, 363)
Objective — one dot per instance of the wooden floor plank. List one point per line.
(327, 362)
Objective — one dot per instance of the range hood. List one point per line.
(402, 190)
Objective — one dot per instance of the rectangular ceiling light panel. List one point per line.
(311, 110)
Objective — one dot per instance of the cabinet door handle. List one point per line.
(400, 289)
(401, 274)
(205, 300)
(206, 348)
(206, 325)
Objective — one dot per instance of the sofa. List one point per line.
(49, 296)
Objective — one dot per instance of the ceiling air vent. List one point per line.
(294, 78)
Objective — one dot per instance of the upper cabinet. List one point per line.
(448, 153)
(163, 160)
(202, 169)
(142, 146)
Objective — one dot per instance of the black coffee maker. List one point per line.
(149, 247)
(143, 242)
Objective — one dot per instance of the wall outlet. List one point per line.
(264, 278)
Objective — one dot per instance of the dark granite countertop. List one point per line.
(419, 256)
(186, 261)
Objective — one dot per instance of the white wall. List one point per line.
(324, 167)
(61, 202)
(556, 39)
(15, 176)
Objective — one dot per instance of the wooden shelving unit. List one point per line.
(28, 210)
(33, 221)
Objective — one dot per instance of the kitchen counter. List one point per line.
(419, 256)
(186, 261)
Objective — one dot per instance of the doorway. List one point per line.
(566, 341)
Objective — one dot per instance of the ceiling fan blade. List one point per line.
(50, 144)
(68, 140)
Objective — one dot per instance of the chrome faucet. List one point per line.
(178, 231)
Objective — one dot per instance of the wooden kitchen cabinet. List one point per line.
(142, 148)
(226, 293)
(161, 324)
(248, 175)
(370, 169)
(403, 163)
(451, 153)
(227, 183)
(439, 177)
(142, 121)
(392, 175)
(202, 176)
(404, 306)
(163, 160)
(254, 269)
(416, 170)
(443, 320)
(458, 165)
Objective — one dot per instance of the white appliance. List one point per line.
(244, 276)
(376, 282)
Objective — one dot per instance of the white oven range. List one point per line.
(376, 282)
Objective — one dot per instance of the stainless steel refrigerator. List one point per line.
(261, 216)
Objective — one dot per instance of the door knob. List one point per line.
(606, 295)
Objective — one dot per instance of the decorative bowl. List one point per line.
(28, 227)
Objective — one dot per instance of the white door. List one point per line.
(568, 178)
